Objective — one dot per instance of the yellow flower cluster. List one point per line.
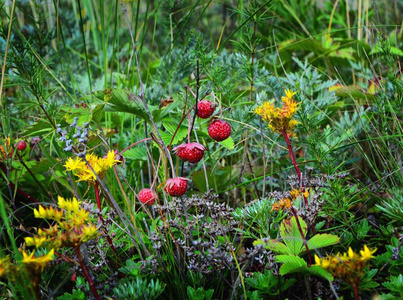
(347, 266)
(73, 226)
(282, 204)
(281, 119)
(34, 265)
(286, 203)
(4, 152)
(99, 164)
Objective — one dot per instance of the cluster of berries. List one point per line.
(218, 130)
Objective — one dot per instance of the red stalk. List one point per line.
(86, 274)
(103, 222)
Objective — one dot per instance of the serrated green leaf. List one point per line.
(38, 128)
(277, 247)
(98, 112)
(318, 271)
(120, 101)
(180, 135)
(84, 115)
(291, 236)
(291, 264)
(228, 143)
(137, 153)
(322, 240)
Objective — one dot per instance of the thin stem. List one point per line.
(197, 94)
(292, 156)
(86, 273)
(294, 212)
(356, 294)
(103, 222)
(134, 144)
(3, 70)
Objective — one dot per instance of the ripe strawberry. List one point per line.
(205, 109)
(147, 196)
(219, 130)
(21, 145)
(176, 186)
(192, 152)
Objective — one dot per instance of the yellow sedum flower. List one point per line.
(281, 119)
(99, 164)
(36, 264)
(72, 228)
(36, 241)
(366, 253)
(347, 266)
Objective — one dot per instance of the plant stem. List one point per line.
(103, 222)
(356, 294)
(294, 161)
(134, 144)
(302, 236)
(86, 273)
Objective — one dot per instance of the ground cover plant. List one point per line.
(201, 149)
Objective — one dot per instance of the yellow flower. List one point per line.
(48, 213)
(347, 266)
(282, 204)
(39, 263)
(366, 253)
(68, 205)
(74, 164)
(280, 119)
(35, 241)
(99, 164)
(89, 232)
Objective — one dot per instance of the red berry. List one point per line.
(219, 130)
(176, 186)
(205, 109)
(21, 145)
(147, 196)
(192, 152)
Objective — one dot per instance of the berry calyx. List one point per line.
(147, 196)
(176, 186)
(205, 109)
(21, 145)
(219, 130)
(191, 152)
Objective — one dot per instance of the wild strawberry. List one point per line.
(219, 130)
(192, 152)
(205, 109)
(147, 196)
(176, 186)
(21, 145)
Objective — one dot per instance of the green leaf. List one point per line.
(291, 264)
(295, 264)
(277, 247)
(137, 153)
(228, 143)
(291, 236)
(38, 128)
(122, 101)
(322, 240)
(318, 271)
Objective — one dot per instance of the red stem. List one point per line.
(356, 294)
(134, 144)
(86, 274)
(103, 222)
(303, 236)
(294, 162)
